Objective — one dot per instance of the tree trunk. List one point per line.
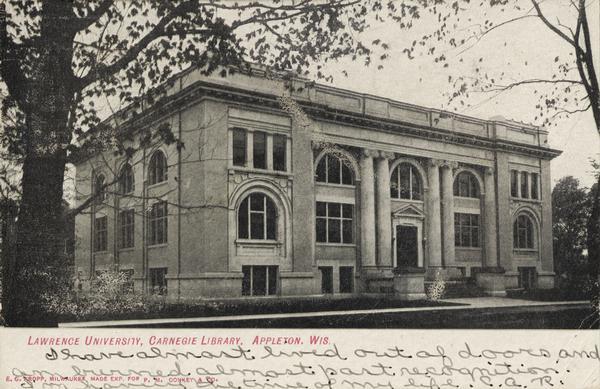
(593, 235)
(36, 263)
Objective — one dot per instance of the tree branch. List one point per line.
(85, 22)
(551, 26)
(103, 70)
(10, 68)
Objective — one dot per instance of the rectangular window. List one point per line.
(514, 183)
(100, 234)
(239, 147)
(158, 280)
(535, 193)
(260, 150)
(346, 279)
(157, 223)
(259, 280)
(279, 152)
(527, 277)
(334, 222)
(525, 185)
(126, 229)
(326, 279)
(466, 230)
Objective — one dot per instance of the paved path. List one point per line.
(467, 303)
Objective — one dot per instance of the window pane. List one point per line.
(334, 231)
(257, 227)
(346, 173)
(260, 145)
(404, 181)
(524, 185)
(257, 202)
(239, 147)
(246, 270)
(333, 209)
(333, 170)
(321, 230)
(259, 280)
(271, 220)
(534, 186)
(279, 149)
(322, 170)
(243, 220)
(516, 234)
(321, 208)
(347, 211)
(272, 278)
(347, 231)
(346, 279)
(417, 187)
(475, 237)
(513, 183)
(394, 184)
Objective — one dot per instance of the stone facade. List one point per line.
(319, 190)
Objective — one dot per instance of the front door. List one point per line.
(407, 249)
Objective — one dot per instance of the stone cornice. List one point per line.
(201, 89)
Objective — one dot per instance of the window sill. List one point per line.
(343, 186)
(467, 248)
(467, 197)
(158, 245)
(258, 242)
(126, 249)
(406, 200)
(525, 251)
(102, 252)
(326, 244)
(233, 169)
(533, 201)
(158, 184)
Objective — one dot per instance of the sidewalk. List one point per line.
(466, 304)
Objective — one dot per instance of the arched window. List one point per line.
(99, 189)
(334, 170)
(466, 185)
(523, 233)
(406, 183)
(157, 169)
(257, 218)
(126, 183)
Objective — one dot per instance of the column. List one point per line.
(489, 219)
(367, 209)
(448, 213)
(249, 149)
(434, 230)
(384, 213)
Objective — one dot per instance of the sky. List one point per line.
(522, 49)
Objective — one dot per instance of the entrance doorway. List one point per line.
(407, 246)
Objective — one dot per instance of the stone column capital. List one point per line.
(434, 163)
(386, 155)
(370, 153)
(449, 165)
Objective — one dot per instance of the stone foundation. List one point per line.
(410, 286)
(492, 282)
(545, 280)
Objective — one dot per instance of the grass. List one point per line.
(156, 308)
